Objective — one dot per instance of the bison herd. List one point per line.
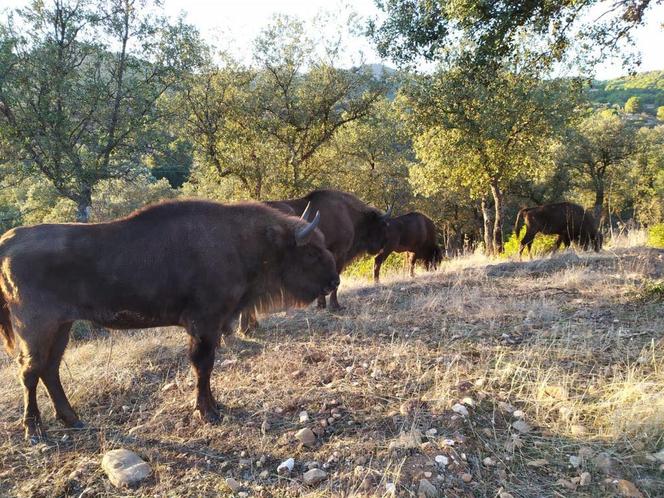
(200, 265)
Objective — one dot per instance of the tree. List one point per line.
(427, 28)
(482, 130)
(660, 113)
(371, 157)
(633, 105)
(78, 86)
(597, 147)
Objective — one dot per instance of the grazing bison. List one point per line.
(413, 233)
(351, 228)
(570, 222)
(192, 263)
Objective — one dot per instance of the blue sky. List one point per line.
(232, 25)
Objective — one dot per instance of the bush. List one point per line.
(541, 245)
(363, 267)
(656, 236)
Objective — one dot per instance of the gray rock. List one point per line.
(125, 468)
(427, 490)
(314, 476)
(306, 436)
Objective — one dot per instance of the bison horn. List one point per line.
(302, 234)
(388, 213)
(305, 213)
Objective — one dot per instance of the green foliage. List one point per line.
(660, 113)
(656, 236)
(633, 105)
(80, 84)
(363, 267)
(653, 290)
(542, 244)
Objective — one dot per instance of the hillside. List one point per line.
(648, 86)
(510, 379)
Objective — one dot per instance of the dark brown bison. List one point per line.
(570, 222)
(413, 233)
(351, 228)
(194, 264)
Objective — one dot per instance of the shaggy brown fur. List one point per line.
(194, 264)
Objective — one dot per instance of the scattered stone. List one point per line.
(585, 479)
(489, 462)
(286, 467)
(264, 475)
(304, 417)
(442, 460)
(428, 474)
(468, 401)
(312, 465)
(233, 485)
(390, 488)
(125, 468)
(460, 409)
(575, 461)
(566, 484)
(306, 436)
(603, 462)
(227, 363)
(628, 489)
(505, 494)
(540, 462)
(522, 426)
(427, 490)
(466, 477)
(314, 476)
(406, 440)
(448, 442)
(431, 432)
(518, 414)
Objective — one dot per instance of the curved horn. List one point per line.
(305, 213)
(388, 213)
(302, 234)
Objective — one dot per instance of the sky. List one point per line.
(233, 24)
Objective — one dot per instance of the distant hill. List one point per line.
(648, 86)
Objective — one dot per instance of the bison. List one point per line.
(351, 228)
(570, 222)
(193, 264)
(413, 233)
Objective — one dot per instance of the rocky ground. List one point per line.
(541, 378)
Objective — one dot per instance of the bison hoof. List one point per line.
(78, 425)
(209, 417)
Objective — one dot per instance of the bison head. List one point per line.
(375, 230)
(306, 267)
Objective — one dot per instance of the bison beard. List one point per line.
(413, 233)
(570, 222)
(193, 264)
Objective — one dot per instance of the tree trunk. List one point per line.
(486, 219)
(498, 220)
(83, 204)
(599, 202)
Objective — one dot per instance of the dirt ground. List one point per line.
(542, 378)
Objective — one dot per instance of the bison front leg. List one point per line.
(201, 354)
(51, 379)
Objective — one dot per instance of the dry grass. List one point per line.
(573, 341)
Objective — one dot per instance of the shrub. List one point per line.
(656, 236)
(541, 245)
(363, 267)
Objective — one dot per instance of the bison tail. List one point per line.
(516, 223)
(6, 330)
